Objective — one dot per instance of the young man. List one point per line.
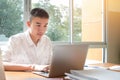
(30, 48)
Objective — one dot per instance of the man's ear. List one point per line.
(28, 23)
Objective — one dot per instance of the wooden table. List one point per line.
(16, 75)
(11, 75)
(103, 64)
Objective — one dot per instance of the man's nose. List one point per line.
(41, 29)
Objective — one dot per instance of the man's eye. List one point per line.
(38, 25)
(45, 26)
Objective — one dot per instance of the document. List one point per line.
(98, 74)
(80, 77)
(116, 67)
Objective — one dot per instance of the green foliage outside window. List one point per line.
(11, 21)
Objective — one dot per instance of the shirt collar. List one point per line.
(29, 38)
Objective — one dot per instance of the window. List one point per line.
(94, 55)
(71, 21)
(92, 21)
(11, 18)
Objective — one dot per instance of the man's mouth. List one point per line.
(40, 34)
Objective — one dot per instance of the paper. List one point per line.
(116, 67)
(80, 77)
(100, 74)
(95, 67)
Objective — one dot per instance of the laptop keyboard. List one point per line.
(41, 73)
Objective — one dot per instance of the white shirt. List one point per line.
(22, 50)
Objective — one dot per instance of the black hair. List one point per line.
(38, 12)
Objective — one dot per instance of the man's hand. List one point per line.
(44, 68)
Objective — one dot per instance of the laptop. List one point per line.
(66, 58)
(2, 74)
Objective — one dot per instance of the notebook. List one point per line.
(2, 74)
(66, 58)
(96, 74)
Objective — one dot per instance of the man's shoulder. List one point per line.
(17, 36)
(45, 37)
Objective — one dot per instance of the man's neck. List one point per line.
(35, 40)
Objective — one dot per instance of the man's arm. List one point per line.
(24, 67)
(17, 67)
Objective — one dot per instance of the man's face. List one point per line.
(38, 27)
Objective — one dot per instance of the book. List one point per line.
(116, 68)
(97, 74)
(80, 77)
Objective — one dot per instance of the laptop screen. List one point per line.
(68, 57)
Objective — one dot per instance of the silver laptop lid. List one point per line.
(2, 74)
(68, 57)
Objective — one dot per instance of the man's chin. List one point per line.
(39, 37)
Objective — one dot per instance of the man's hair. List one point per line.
(38, 12)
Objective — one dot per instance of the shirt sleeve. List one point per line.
(8, 50)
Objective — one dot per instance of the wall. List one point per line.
(92, 27)
(112, 24)
(113, 30)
